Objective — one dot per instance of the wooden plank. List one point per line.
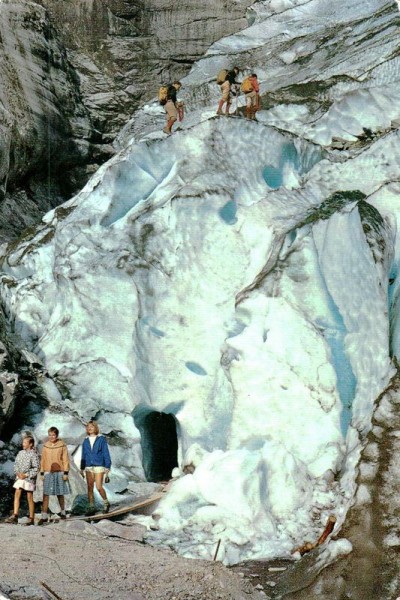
(52, 592)
(123, 510)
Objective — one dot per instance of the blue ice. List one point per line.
(157, 332)
(145, 321)
(346, 381)
(273, 176)
(132, 182)
(236, 328)
(228, 212)
(195, 368)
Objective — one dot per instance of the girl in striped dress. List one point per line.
(54, 469)
(26, 468)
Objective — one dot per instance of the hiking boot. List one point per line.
(90, 511)
(29, 522)
(63, 517)
(167, 131)
(13, 520)
(219, 112)
(106, 507)
(43, 521)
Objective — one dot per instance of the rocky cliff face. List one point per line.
(22, 382)
(60, 108)
(124, 49)
(45, 129)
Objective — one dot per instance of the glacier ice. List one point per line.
(236, 277)
(241, 329)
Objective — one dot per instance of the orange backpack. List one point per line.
(246, 86)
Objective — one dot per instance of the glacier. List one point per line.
(238, 276)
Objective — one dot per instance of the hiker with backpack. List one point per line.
(235, 85)
(167, 96)
(225, 98)
(229, 86)
(251, 89)
(231, 76)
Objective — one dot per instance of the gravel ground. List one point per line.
(107, 561)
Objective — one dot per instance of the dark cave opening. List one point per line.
(159, 441)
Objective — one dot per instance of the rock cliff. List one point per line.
(73, 73)
(124, 49)
(45, 129)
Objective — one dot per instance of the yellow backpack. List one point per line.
(246, 86)
(222, 76)
(163, 94)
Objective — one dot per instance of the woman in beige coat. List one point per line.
(54, 469)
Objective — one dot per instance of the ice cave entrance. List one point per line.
(159, 441)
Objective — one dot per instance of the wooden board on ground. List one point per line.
(123, 510)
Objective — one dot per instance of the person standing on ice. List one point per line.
(95, 464)
(54, 469)
(251, 89)
(232, 75)
(228, 87)
(235, 85)
(26, 468)
(171, 106)
(225, 98)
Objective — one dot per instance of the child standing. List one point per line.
(95, 464)
(54, 469)
(26, 469)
